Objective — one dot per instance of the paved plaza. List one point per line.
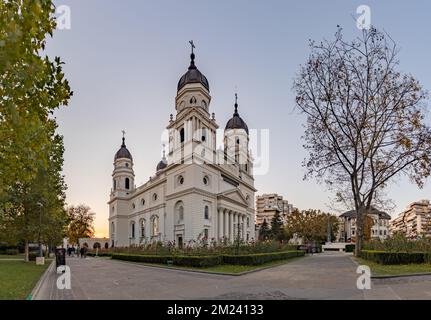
(321, 276)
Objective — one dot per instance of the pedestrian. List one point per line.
(81, 251)
(85, 251)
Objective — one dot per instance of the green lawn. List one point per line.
(18, 278)
(7, 256)
(228, 268)
(385, 270)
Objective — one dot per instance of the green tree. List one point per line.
(81, 223)
(277, 230)
(366, 121)
(32, 87)
(264, 232)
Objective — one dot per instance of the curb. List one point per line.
(203, 271)
(401, 276)
(42, 279)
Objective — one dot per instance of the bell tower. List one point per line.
(192, 131)
(123, 176)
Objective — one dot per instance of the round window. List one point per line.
(180, 179)
(205, 180)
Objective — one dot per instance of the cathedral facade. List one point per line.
(199, 192)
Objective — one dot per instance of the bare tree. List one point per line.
(365, 119)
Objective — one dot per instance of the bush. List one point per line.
(142, 258)
(100, 254)
(197, 261)
(12, 252)
(385, 257)
(350, 247)
(32, 256)
(260, 258)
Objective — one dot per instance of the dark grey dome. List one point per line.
(193, 75)
(162, 165)
(123, 152)
(236, 121)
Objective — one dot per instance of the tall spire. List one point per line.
(192, 56)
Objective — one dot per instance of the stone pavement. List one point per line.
(321, 276)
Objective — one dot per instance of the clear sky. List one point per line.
(124, 59)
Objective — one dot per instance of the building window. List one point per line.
(133, 206)
(142, 228)
(205, 180)
(155, 226)
(204, 134)
(248, 223)
(155, 196)
(206, 212)
(143, 202)
(112, 228)
(182, 135)
(115, 184)
(127, 183)
(206, 233)
(127, 165)
(132, 230)
(179, 212)
(180, 179)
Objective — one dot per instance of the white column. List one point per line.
(220, 224)
(231, 237)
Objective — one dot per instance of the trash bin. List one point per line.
(60, 257)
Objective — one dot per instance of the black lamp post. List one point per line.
(40, 205)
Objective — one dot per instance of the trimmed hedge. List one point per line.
(197, 261)
(350, 247)
(260, 258)
(209, 261)
(100, 254)
(386, 257)
(142, 258)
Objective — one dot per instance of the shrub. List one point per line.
(12, 252)
(197, 261)
(100, 254)
(350, 247)
(260, 258)
(32, 256)
(385, 257)
(142, 258)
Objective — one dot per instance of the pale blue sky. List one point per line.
(124, 59)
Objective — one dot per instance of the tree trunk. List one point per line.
(359, 230)
(26, 257)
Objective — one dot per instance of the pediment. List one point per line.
(234, 195)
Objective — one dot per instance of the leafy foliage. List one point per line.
(81, 223)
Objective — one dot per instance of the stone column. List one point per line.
(220, 224)
(231, 226)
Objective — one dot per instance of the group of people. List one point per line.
(79, 251)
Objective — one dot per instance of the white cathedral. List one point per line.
(199, 192)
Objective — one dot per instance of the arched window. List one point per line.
(179, 212)
(115, 184)
(132, 230)
(182, 135)
(204, 134)
(206, 212)
(112, 227)
(143, 228)
(154, 196)
(155, 226)
(248, 222)
(127, 183)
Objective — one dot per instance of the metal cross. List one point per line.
(124, 132)
(192, 44)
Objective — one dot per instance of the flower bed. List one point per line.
(209, 261)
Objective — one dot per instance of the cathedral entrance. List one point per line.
(180, 241)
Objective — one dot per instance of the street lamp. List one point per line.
(40, 205)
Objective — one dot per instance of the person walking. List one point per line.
(81, 251)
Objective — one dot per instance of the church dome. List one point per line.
(193, 75)
(123, 152)
(236, 122)
(162, 165)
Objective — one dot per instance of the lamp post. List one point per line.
(40, 205)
